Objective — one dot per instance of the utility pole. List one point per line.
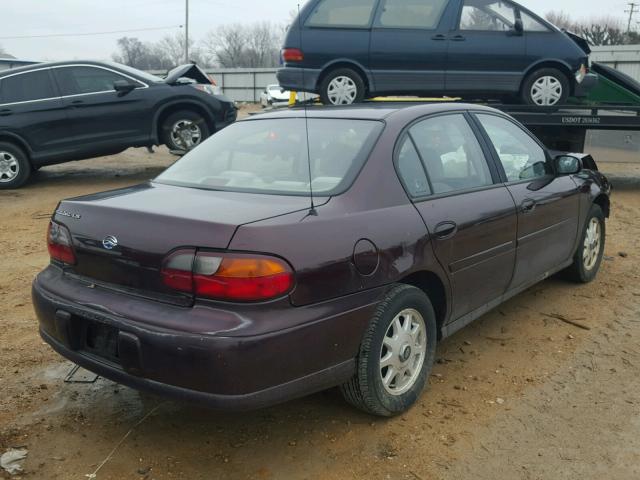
(186, 32)
(633, 9)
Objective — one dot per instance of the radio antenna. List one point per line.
(312, 210)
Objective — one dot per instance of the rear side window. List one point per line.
(411, 13)
(530, 24)
(26, 87)
(411, 171)
(80, 80)
(521, 156)
(487, 15)
(338, 13)
(451, 154)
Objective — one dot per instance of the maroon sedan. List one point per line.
(275, 261)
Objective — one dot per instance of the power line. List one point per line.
(633, 9)
(87, 34)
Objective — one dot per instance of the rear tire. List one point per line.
(546, 87)
(184, 130)
(402, 334)
(588, 256)
(15, 168)
(343, 86)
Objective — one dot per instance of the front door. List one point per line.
(408, 49)
(486, 54)
(548, 205)
(97, 113)
(471, 218)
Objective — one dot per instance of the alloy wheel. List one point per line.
(592, 241)
(186, 134)
(403, 352)
(342, 90)
(9, 167)
(546, 91)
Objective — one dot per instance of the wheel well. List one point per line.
(181, 107)
(551, 64)
(431, 284)
(335, 66)
(604, 203)
(18, 143)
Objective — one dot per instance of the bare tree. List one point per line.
(252, 46)
(604, 30)
(132, 52)
(562, 20)
(226, 44)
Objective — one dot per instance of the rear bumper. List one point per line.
(223, 372)
(589, 83)
(298, 79)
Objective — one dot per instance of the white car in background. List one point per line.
(274, 96)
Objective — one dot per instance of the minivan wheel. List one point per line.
(15, 168)
(342, 87)
(184, 130)
(588, 256)
(396, 354)
(545, 88)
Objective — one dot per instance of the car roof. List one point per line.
(369, 111)
(39, 66)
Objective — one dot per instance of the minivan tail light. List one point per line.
(229, 277)
(292, 55)
(59, 243)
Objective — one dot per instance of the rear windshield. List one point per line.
(271, 156)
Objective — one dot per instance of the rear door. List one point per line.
(485, 52)
(470, 217)
(548, 205)
(31, 108)
(409, 46)
(97, 113)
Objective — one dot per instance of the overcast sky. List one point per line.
(44, 17)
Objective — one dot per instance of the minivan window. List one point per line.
(451, 154)
(520, 155)
(487, 15)
(26, 87)
(82, 80)
(530, 24)
(271, 156)
(411, 171)
(411, 13)
(338, 13)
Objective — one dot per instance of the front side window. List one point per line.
(520, 155)
(530, 24)
(338, 13)
(82, 80)
(411, 13)
(487, 15)
(271, 156)
(411, 171)
(451, 154)
(26, 87)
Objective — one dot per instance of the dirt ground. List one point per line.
(517, 394)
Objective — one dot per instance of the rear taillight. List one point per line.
(59, 244)
(292, 55)
(229, 277)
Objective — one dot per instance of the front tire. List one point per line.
(342, 87)
(546, 87)
(15, 168)
(184, 130)
(588, 256)
(396, 354)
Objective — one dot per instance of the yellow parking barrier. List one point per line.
(292, 98)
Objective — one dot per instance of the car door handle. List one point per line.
(458, 38)
(439, 37)
(528, 206)
(445, 230)
(6, 112)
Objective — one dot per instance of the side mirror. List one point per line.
(567, 165)
(123, 87)
(518, 28)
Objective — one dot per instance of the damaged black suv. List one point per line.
(57, 112)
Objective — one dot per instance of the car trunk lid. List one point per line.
(121, 237)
